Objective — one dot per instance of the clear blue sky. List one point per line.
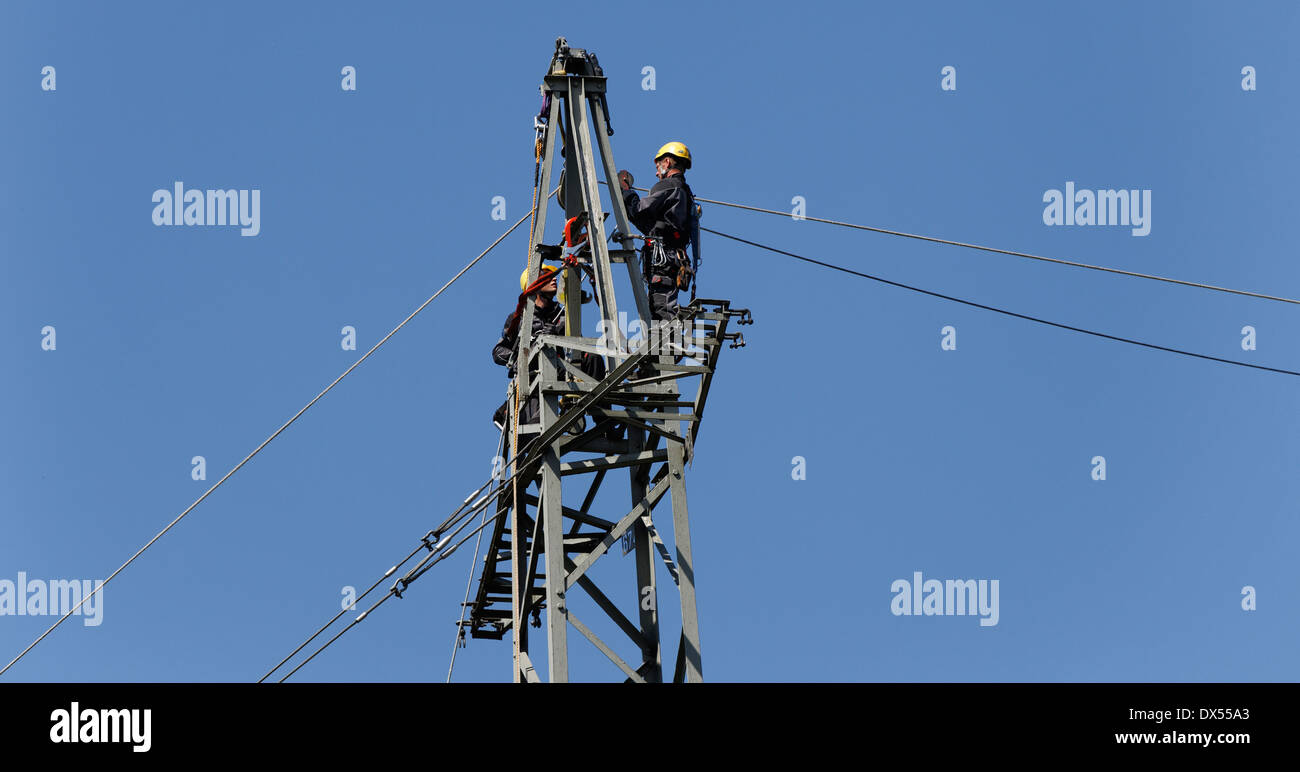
(975, 463)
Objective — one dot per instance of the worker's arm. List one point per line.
(666, 201)
(645, 212)
(504, 350)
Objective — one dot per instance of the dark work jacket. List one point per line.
(548, 321)
(666, 211)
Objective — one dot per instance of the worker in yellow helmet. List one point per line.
(668, 218)
(541, 270)
(548, 316)
(548, 319)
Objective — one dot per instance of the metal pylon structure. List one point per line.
(643, 416)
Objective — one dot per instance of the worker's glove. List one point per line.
(625, 179)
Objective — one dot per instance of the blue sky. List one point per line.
(973, 463)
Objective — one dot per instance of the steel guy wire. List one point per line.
(326, 626)
(411, 576)
(424, 544)
(469, 580)
(525, 465)
(996, 250)
(267, 441)
(1000, 310)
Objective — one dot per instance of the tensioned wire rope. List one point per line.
(459, 515)
(268, 440)
(995, 250)
(458, 640)
(526, 465)
(1003, 311)
(436, 555)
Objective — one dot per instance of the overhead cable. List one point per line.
(1000, 310)
(996, 250)
(266, 442)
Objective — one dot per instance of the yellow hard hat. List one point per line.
(676, 149)
(523, 277)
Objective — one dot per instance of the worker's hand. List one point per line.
(625, 179)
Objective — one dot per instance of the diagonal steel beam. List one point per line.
(644, 505)
(610, 609)
(588, 499)
(607, 651)
(661, 547)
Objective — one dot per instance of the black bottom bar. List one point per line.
(867, 721)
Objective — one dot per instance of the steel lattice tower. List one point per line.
(644, 416)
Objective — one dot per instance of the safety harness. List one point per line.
(674, 263)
